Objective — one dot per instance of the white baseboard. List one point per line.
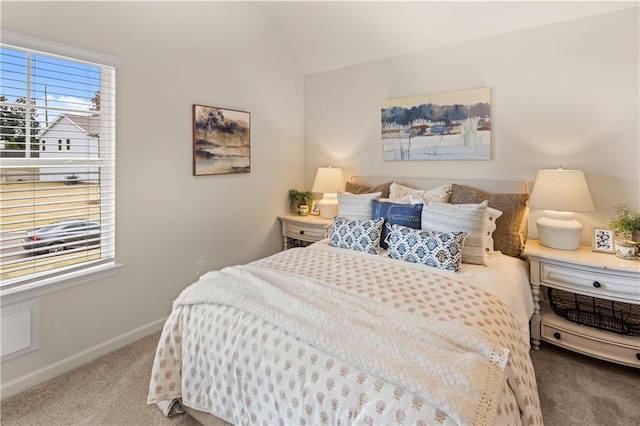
(76, 360)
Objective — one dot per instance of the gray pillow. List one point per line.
(511, 232)
(358, 188)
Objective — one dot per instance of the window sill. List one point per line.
(36, 289)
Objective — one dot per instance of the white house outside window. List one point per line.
(57, 153)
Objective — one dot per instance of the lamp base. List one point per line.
(559, 230)
(329, 205)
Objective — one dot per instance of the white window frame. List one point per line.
(83, 274)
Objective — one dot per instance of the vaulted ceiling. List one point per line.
(323, 35)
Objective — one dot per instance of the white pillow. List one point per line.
(397, 191)
(407, 199)
(492, 215)
(441, 194)
(472, 218)
(356, 206)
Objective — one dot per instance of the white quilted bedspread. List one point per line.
(258, 344)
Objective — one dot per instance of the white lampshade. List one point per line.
(329, 180)
(560, 193)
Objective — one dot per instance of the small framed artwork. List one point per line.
(315, 207)
(221, 141)
(603, 240)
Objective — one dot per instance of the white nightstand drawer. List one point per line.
(568, 335)
(305, 233)
(609, 286)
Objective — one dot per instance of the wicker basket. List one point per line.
(619, 317)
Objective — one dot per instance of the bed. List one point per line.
(432, 328)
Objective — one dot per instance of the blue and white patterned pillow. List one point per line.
(359, 235)
(396, 214)
(440, 250)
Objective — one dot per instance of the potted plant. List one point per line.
(626, 224)
(299, 198)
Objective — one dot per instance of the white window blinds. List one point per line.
(57, 153)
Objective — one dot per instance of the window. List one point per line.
(57, 217)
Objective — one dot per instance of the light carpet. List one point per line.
(112, 390)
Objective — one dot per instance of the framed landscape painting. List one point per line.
(443, 126)
(221, 141)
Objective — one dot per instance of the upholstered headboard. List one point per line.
(498, 186)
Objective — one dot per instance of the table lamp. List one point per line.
(560, 193)
(328, 181)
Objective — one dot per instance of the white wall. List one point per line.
(564, 94)
(172, 55)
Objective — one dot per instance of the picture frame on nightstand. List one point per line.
(602, 240)
(315, 207)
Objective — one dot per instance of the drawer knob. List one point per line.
(597, 284)
(557, 335)
(301, 232)
(638, 356)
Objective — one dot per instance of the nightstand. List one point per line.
(301, 231)
(583, 274)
